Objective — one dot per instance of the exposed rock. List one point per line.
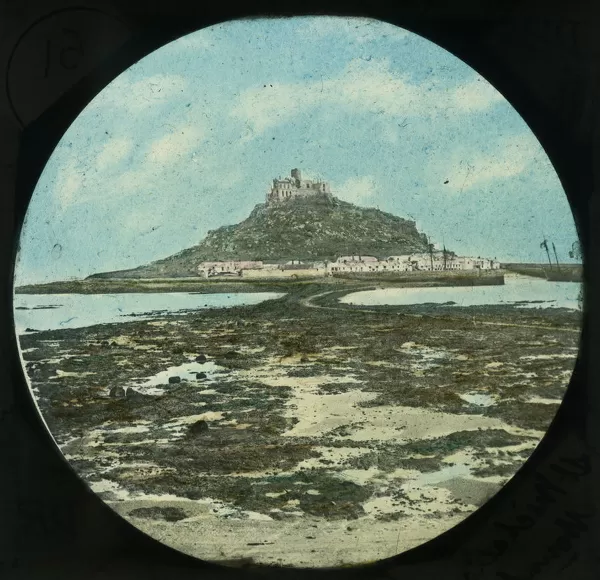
(175, 379)
(135, 395)
(198, 427)
(193, 494)
(169, 514)
(283, 516)
(471, 491)
(117, 392)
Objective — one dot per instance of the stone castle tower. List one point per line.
(295, 187)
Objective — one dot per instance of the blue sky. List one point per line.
(189, 138)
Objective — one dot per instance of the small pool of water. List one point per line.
(479, 399)
(444, 474)
(187, 372)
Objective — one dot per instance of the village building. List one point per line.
(208, 269)
(400, 263)
(272, 265)
(353, 264)
(422, 262)
(357, 259)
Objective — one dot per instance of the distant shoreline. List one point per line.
(236, 285)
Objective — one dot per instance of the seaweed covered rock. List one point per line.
(133, 395)
(117, 393)
(198, 427)
(169, 514)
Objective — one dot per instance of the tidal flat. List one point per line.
(301, 431)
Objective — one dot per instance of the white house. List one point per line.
(348, 259)
(208, 269)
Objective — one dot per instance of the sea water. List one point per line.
(58, 311)
(519, 291)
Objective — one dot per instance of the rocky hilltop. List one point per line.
(299, 229)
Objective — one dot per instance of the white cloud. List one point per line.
(136, 96)
(363, 86)
(512, 157)
(97, 178)
(75, 184)
(112, 152)
(178, 142)
(133, 180)
(68, 184)
(475, 96)
(356, 189)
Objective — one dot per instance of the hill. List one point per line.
(300, 229)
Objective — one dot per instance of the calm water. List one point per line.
(56, 311)
(536, 292)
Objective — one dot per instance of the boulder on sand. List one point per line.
(175, 379)
(117, 392)
(201, 358)
(200, 375)
(198, 427)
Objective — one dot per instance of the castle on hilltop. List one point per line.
(295, 187)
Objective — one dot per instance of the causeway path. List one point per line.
(308, 300)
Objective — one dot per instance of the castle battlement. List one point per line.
(294, 187)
